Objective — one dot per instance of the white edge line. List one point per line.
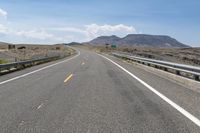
(21, 76)
(173, 104)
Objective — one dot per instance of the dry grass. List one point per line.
(3, 61)
(190, 56)
(33, 52)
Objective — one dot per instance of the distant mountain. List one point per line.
(4, 43)
(138, 40)
(106, 40)
(74, 43)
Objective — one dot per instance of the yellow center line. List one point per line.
(68, 78)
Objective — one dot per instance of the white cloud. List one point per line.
(95, 30)
(3, 13)
(63, 34)
(37, 35)
(34, 34)
(67, 34)
(3, 29)
(26, 34)
(70, 29)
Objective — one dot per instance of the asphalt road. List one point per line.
(89, 94)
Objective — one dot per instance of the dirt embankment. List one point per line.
(189, 56)
(27, 52)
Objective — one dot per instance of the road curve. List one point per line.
(89, 94)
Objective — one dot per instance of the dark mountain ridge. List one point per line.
(139, 40)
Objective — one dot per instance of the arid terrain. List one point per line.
(189, 56)
(26, 52)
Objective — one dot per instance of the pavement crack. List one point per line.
(40, 106)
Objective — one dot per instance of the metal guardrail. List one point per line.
(6, 68)
(178, 69)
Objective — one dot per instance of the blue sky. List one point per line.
(53, 21)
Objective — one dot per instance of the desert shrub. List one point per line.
(3, 61)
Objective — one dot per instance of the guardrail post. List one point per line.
(165, 69)
(177, 72)
(178, 69)
(196, 77)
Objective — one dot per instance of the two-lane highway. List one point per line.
(90, 94)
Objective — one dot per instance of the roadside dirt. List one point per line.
(27, 52)
(189, 56)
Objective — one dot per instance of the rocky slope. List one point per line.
(138, 40)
